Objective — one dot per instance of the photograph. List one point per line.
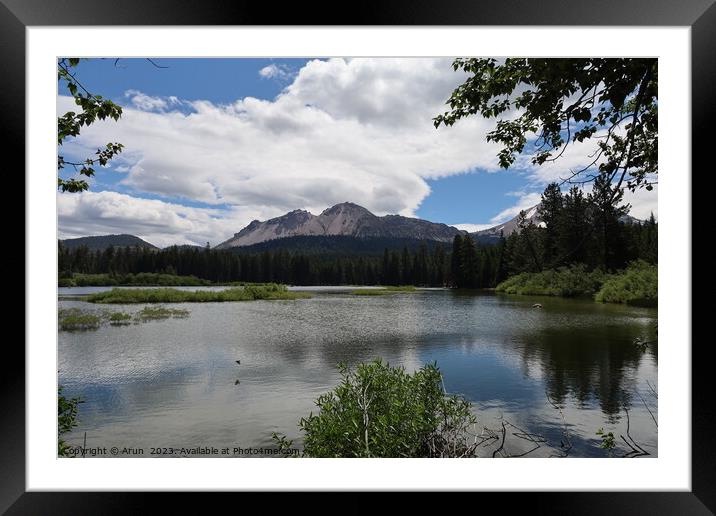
(357, 257)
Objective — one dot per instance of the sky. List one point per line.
(212, 144)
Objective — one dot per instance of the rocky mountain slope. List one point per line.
(345, 219)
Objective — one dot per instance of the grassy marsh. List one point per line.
(383, 291)
(269, 291)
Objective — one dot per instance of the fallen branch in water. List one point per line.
(565, 430)
(647, 408)
(523, 434)
(502, 445)
(637, 451)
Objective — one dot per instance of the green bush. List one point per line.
(637, 285)
(382, 411)
(566, 282)
(67, 409)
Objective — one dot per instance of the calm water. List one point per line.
(172, 383)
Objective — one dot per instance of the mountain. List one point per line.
(509, 227)
(531, 215)
(345, 219)
(104, 241)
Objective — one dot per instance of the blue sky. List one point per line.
(211, 144)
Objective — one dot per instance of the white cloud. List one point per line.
(525, 202)
(355, 130)
(274, 71)
(643, 203)
(146, 102)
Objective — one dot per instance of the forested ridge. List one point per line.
(576, 228)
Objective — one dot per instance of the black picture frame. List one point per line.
(700, 15)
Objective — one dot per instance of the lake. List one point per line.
(552, 376)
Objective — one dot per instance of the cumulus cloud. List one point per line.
(274, 71)
(643, 203)
(145, 102)
(525, 202)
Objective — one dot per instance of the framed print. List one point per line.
(377, 254)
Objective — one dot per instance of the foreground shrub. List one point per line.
(67, 409)
(637, 285)
(382, 411)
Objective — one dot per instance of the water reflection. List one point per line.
(175, 380)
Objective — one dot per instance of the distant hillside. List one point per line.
(104, 241)
(184, 247)
(338, 245)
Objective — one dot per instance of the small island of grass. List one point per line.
(77, 319)
(269, 291)
(383, 291)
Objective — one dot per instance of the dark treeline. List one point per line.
(423, 266)
(575, 229)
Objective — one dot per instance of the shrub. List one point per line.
(566, 281)
(382, 411)
(637, 285)
(67, 409)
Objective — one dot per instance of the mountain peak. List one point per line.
(345, 207)
(343, 219)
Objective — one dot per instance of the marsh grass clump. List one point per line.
(370, 292)
(119, 318)
(149, 313)
(383, 291)
(268, 291)
(74, 319)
